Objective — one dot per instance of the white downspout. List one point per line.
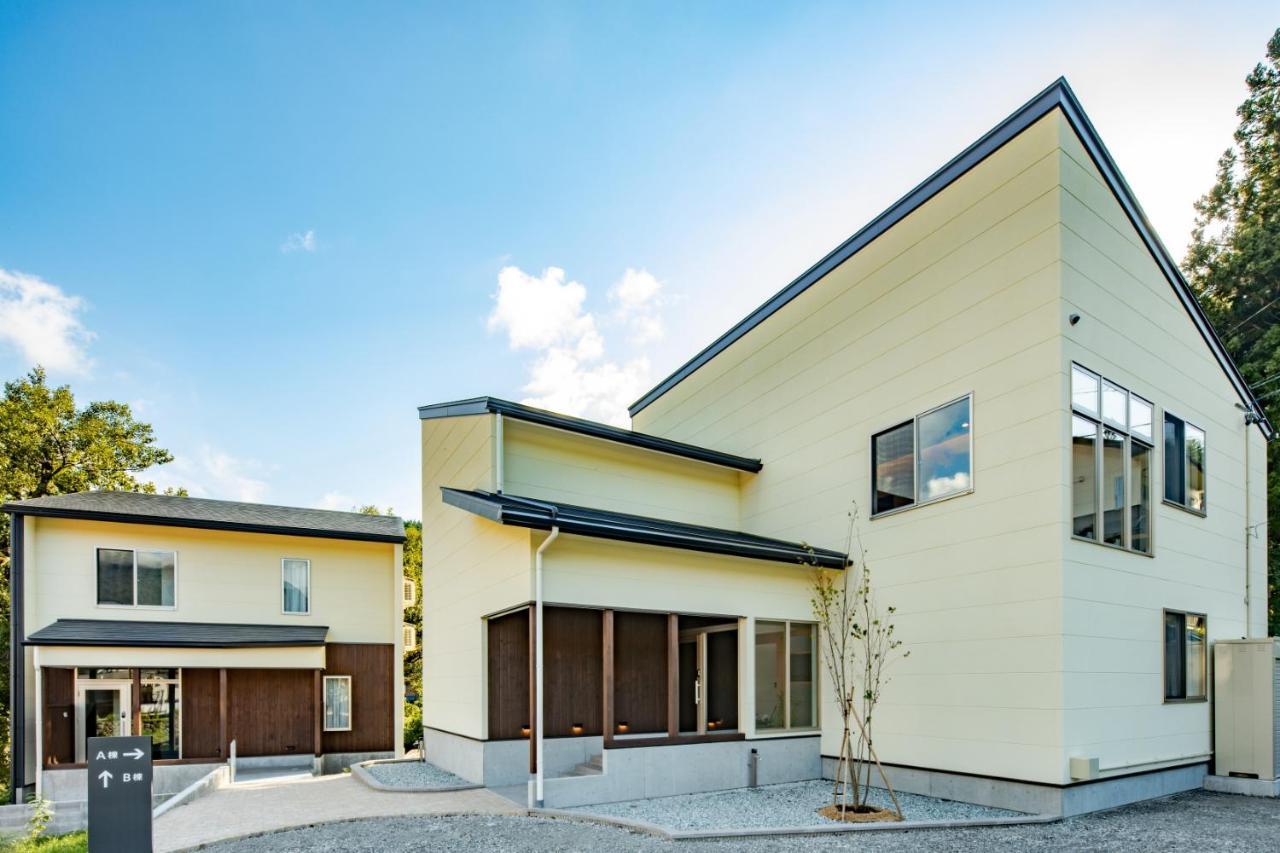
(1248, 536)
(39, 677)
(497, 462)
(537, 659)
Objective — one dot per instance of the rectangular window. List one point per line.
(295, 586)
(1184, 458)
(160, 707)
(1185, 660)
(786, 661)
(128, 578)
(1110, 463)
(337, 703)
(925, 459)
(410, 595)
(410, 637)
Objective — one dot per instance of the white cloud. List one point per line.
(938, 486)
(213, 473)
(337, 500)
(570, 373)
(43, 323)
(300, 242)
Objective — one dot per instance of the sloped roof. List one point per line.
(195, 635)
(605, 524)
(174, 511)
(582, 426)
(1057, 96)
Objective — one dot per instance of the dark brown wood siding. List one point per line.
(572, 671)
(640, 671)
(508, 675)
(370, 666)
(200, 724)
(270, 711)
(59, 715)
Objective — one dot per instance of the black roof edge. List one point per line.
(582, 426)
(1057, 95)
(639, 529)
(199, 524)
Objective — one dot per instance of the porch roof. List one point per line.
(605, 524)
(194, 635)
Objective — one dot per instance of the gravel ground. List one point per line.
(776, 807)
(1194, 821)
(414, 774)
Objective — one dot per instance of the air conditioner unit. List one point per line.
(1246, 719)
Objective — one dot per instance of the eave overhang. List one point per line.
(188, 635)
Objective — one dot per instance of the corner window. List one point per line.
(130, 578)
(295, 586)
(925, 459)
(1110, 463)
(786, 669)
(1185, 660)
(1184, 455)
(337, 703)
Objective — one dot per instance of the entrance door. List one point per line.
(708, 679)
(103, 709)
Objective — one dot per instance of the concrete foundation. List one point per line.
(336, 762)
(1040, 798)
(1245, 787)
(498, 763)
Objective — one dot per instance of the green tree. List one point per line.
(1233, 264)
(48, 446)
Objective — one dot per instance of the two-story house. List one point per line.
(208, 625)
(1060, 478)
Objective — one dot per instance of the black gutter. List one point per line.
(1058, 95)
(582, 426)
(629, 528)
(203, 524)
(17, 660)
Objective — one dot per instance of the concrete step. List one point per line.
(592, 767)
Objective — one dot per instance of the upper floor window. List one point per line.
(133, 578)
(1184, 450)
(1185, 661)
(295, 586)
(1111, 453)
(928, 458)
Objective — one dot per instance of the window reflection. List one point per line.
(1084, 492)
(1195, 467)
(1113, 491)
(892, 452)
(944, 451)
(1084, 389)
(1140, 497)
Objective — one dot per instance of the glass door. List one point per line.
(103, 709)
(708, 660)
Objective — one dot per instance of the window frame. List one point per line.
(1165, 414)
(1164, 658)
(410, 586)
(351, 712)
(786, 729)
(408, 636)
(283, 611)
(1101, 425)
(915, 460)
(134, 583)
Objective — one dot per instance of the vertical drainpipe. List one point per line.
(537, 658)
(498, 478)
(1249, 419)
(17, 661)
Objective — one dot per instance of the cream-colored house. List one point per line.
(1060, 477)
(212, 626)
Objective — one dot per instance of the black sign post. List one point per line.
(119, 794)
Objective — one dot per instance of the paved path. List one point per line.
(247, 808)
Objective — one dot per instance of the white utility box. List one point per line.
(1246, 698)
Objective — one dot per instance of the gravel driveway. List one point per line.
(1193, 821)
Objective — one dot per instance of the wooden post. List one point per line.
(318, 702)
(673, 675)
(222, 714)
(606, 655)
(135, 713)
(533, 696)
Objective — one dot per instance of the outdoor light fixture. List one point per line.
(524, 730)
(576, 728)
(623, 728)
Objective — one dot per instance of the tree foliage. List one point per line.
(1233, 264)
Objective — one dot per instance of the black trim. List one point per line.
(521, 412)
(604, 524)
(199, 524)
(179, 635)
(17, 659)
(1057, 96)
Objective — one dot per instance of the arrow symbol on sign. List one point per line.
(105, 776)
(135, 755)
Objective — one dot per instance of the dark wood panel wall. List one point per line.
(271, 711)
(201, 717)
(572, 671)
(640, 671)
(508, 679)
(372, 671)
(59, 715)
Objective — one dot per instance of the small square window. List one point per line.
(1084, 390)
(1115, 404)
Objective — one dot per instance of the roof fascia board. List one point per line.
(198, 524)
(173, 644)
(1058, 95)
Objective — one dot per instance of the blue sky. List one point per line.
(277, 228)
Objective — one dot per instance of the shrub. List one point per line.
(412, 725)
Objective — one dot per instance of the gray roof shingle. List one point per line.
(219, 515)
(196, 635)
